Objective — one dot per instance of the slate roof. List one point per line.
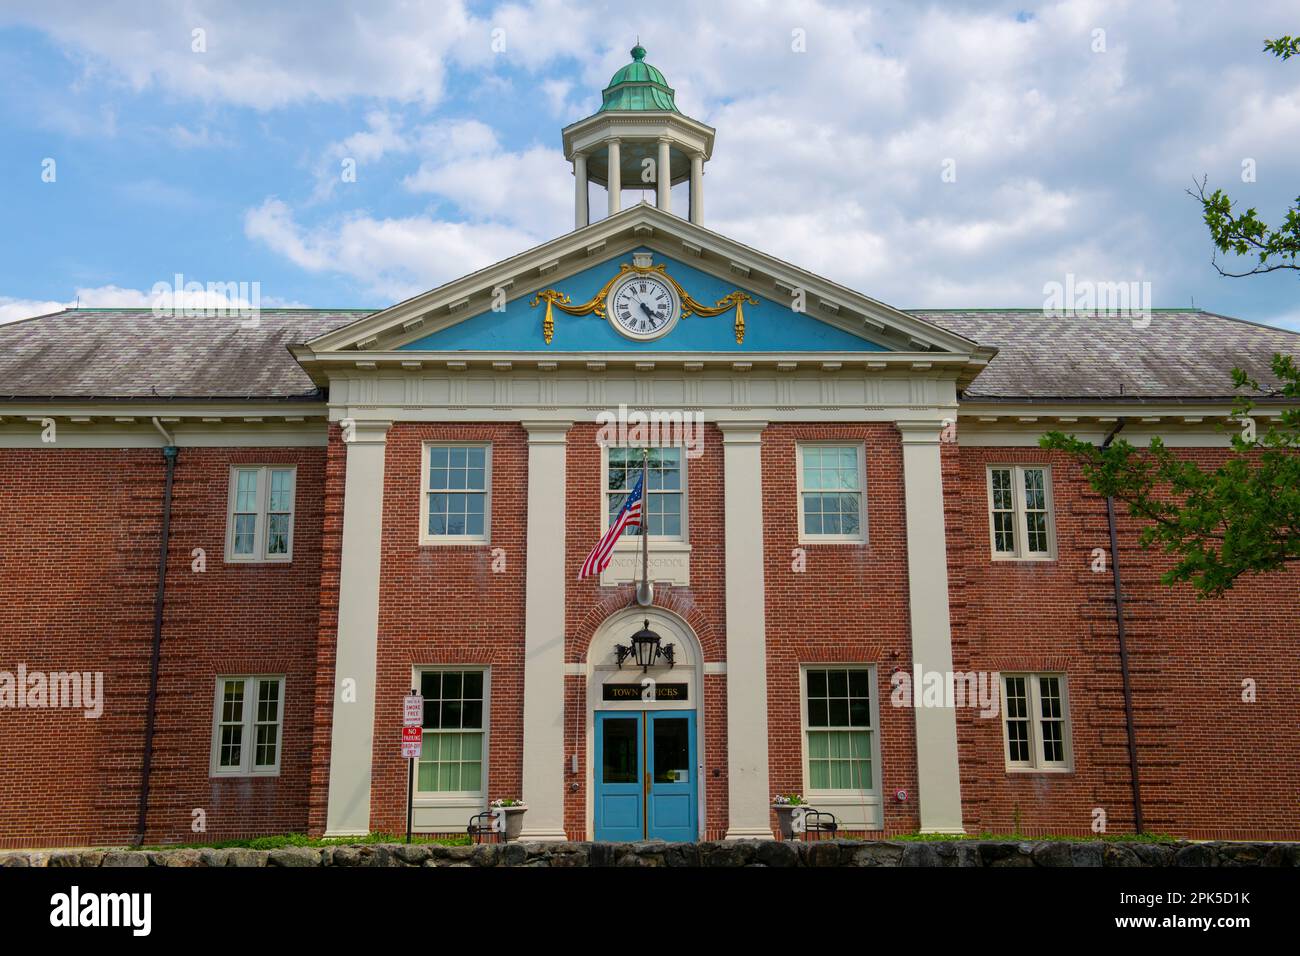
(1179, 355)
(129, 353)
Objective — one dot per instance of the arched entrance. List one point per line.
(644, 733)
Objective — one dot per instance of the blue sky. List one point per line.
(224, 164)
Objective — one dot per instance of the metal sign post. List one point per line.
(412, 741)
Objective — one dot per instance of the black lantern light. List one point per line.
(645, 648)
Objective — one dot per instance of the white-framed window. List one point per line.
(247, 726)
(1020, 512)
(840, 713)
(454, 758)
(456, 501)
(665, 492)
(259, 516)
(832, 499)
(1036, 722)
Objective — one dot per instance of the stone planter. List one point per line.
(514, 822)
(785, 819)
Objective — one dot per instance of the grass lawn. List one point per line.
(301, 839)
(1019, 837)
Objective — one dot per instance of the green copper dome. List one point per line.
(638, 86)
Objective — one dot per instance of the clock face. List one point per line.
(643, 306)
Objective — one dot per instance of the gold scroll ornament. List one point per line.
(596, 305)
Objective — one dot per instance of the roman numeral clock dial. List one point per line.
(643, 307)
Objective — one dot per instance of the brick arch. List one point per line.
(713, 646)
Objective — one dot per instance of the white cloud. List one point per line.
(392, 258)
(1069, 159)
(269, 55)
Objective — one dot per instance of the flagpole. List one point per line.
(645, 594)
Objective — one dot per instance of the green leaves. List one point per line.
(1283, 47)
(1244, 233)
(1240, 517)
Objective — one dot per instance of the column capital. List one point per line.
(546, 433)
(364, 431)
(921, 432)
(741, 432)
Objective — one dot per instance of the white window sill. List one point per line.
(453, 541)
(245, 775)
(1034, 771)
(1035, 559)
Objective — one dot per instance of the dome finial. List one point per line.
(638, 51)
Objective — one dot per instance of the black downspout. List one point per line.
(169, 456)
(1123, 649)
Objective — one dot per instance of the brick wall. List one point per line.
(443, 604)
(77, 572)
(1211, 765)
(77, 577)
(850, 606)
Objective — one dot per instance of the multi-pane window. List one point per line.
(838, 729)
(260, 519)
(830, 492)
(1020, 506)
(454, 753)
(457, 492)
(247, 727)
(1037, 733)
(664, 499)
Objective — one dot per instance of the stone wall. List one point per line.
(826, 853)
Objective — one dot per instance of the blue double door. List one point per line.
(645, 780)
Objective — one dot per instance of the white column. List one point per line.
(352, 733)
(664, 178)
(748, 799)
(697, 188)
(544, 633)
(615, 177)
(938, 775)
(580, 190)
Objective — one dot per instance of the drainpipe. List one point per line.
(1123, 647)
(169, 457)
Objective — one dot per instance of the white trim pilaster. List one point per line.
(357, 643)
(938, 776)
(543, 757)
(748, 799)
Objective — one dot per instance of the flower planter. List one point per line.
(785, 819)
(514, 822)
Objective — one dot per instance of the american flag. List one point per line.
(628, 515)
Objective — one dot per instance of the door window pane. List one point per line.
(621, 741)
(672, 750)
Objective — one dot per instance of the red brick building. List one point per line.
(847, 509)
